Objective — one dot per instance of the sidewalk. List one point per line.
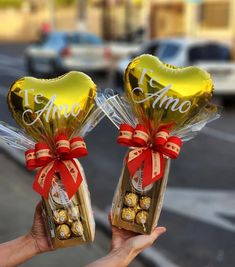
(17, 202)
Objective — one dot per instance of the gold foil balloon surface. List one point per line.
(47, 107)
(162, 95)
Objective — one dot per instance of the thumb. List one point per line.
(157, 232)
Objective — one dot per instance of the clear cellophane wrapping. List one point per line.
(68, 222)
(143, 218)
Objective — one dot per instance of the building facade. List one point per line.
(211, 19)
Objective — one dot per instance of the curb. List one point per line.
(150, 257)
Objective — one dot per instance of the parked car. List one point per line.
(120, 50)
(86, 55)
(212, 56)
(64, 51)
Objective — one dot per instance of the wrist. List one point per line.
(32, 244)
(125, 254)
(17, 251)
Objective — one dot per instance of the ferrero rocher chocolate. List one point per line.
(70, 221)
(145, 202)
(141, 217)
(77, 228)
(128, 214)
(74, 213)
(131, 199)
(63, 231)
(137, 208)
(60, 216)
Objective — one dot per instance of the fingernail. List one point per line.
(163, 229)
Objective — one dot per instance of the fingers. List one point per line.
(157, 232)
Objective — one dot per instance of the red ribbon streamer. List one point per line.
(148, 152)
(62, 162)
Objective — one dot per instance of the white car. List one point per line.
(60, 52)
(212, 56)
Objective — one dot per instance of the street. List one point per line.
(199, 205)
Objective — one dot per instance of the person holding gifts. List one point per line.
(125, 245)
(164, 107)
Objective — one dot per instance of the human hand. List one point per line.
(38, 231)
(125, 246)
(124, 238)
(133, 242)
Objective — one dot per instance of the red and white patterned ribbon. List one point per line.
(60, 161)
(148, 151)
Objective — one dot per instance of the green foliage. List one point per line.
(65, 3)
(10, 3)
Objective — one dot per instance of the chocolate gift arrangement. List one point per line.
(163, 106)
(55, 115)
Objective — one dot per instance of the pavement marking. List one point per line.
(221, 135)
(11, 58)
(6, 62)
(10, 71)
(208, 206)
(3, 91)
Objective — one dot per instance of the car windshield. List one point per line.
(168, 50)
(55, 40)
(84, 38)
(211, 52)
(60, 39)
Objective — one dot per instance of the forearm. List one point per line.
(118, 258)
(17, 251)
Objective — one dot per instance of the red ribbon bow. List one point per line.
(62, 162)
(148, 152)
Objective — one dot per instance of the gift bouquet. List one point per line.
(56, 114)
(163, 107)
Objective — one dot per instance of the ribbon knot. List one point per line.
(148, 152)
(60, 160)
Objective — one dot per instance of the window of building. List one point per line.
(214, 14)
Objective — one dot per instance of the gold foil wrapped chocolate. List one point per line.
(128, 214)
(145, 202)
(138, 219)
(137, 208)
(131, 200)
(75, 208)
(63, 231)
(60, 216)
(142, 217)
(74, 213)
(77, 228)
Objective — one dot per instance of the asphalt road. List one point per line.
(199, 204)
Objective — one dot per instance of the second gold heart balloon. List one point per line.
(165, 95)
(45, 108)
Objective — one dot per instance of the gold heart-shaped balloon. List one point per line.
(47, 107)
(162, 95)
